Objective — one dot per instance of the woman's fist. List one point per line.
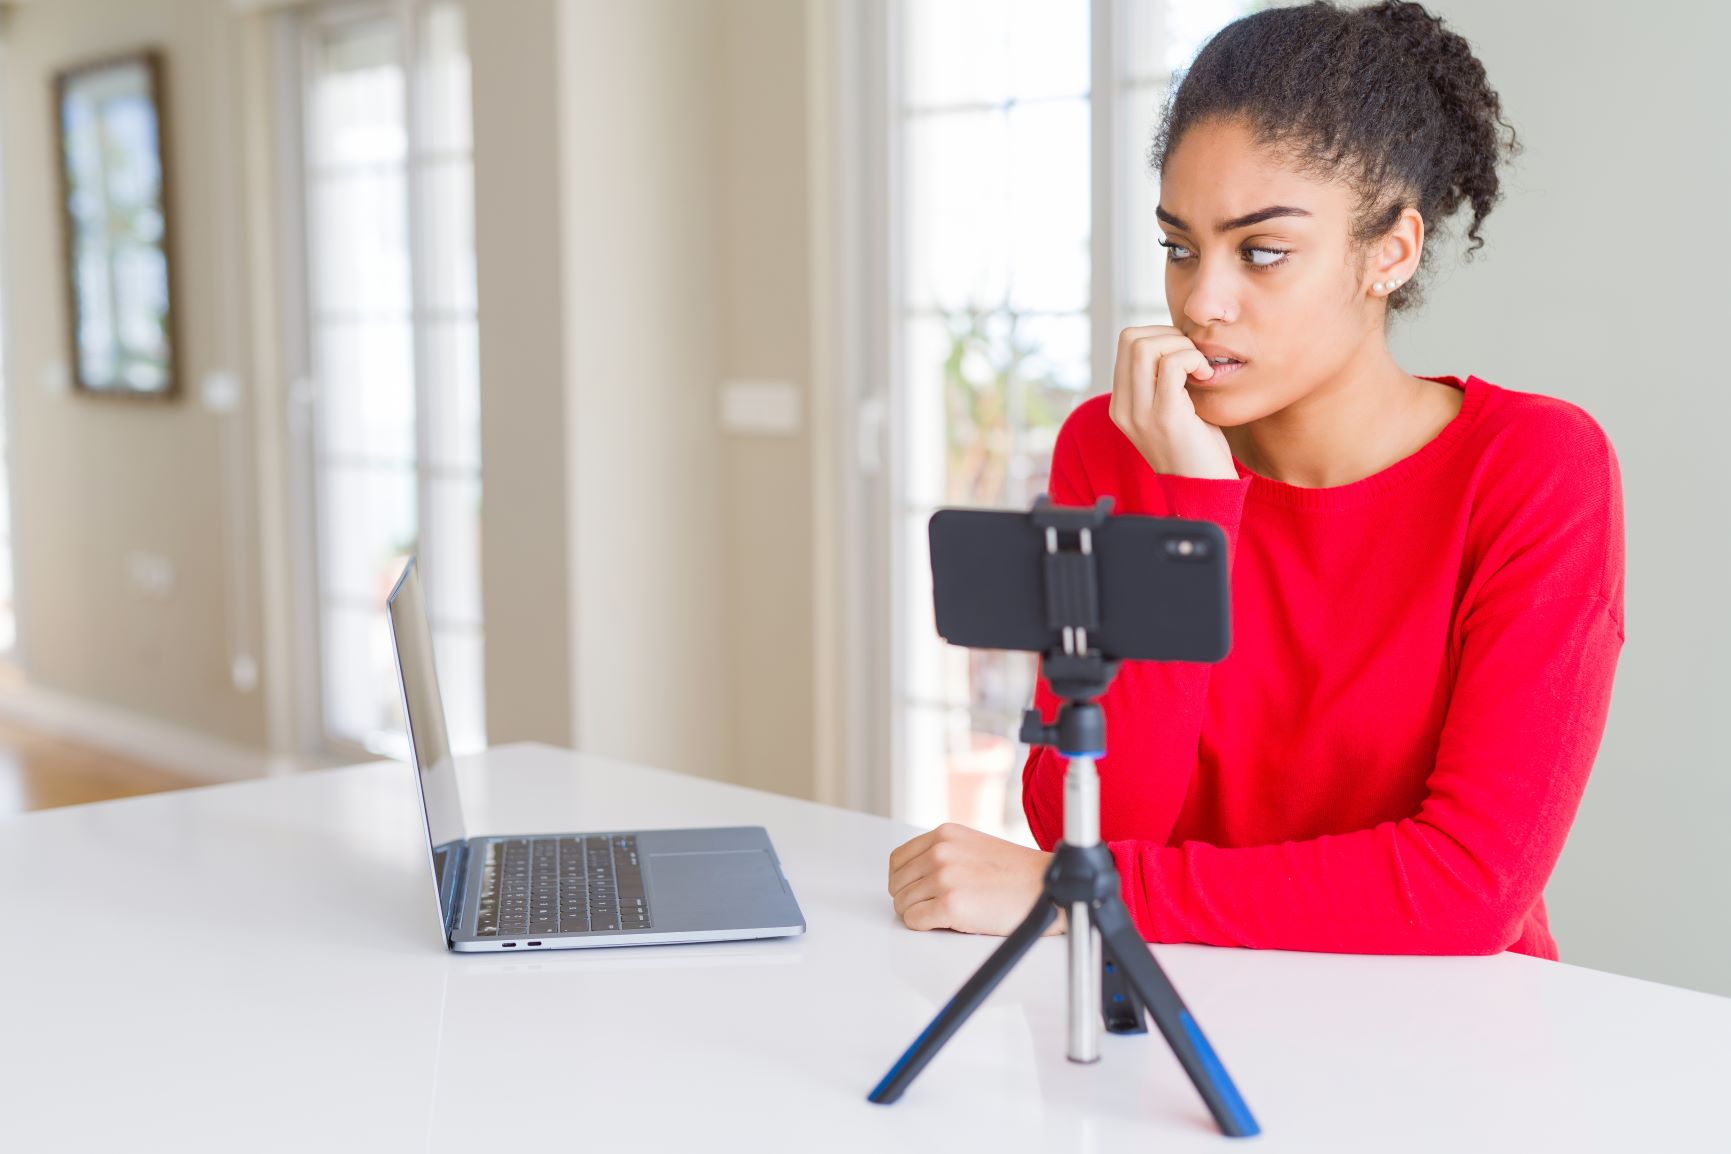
(957, 878)
(1152, 406)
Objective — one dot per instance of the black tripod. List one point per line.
(1082, 879)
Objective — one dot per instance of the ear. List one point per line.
(1395, 258)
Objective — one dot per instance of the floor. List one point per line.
(40, 772)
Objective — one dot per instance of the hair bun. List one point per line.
(1465, 96)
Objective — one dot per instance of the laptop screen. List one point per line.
(424, 711)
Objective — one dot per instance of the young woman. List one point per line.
(1427, 573)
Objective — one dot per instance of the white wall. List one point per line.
(1599, 283)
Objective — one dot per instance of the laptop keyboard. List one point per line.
(561, 885)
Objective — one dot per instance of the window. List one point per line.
(1003, 320)
(391, 330)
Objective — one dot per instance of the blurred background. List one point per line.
(659, 328)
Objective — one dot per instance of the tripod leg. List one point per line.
(966, 1001)
(1125, 947)
(1120, 1005)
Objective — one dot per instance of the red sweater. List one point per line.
(1391, 755)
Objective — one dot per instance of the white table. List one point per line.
(258, 967)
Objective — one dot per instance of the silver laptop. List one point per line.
(573, 890)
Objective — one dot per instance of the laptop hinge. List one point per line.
(457, 885)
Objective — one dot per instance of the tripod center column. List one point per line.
(1082, 803)
(1082, 829)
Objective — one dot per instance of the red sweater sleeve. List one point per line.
(1144, 792)
(1458, 877)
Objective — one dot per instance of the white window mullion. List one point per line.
(8, 580)
(890, 605)
(427, 531)
(1105, 201)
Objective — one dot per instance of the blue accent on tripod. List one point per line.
(1217, 1074)
(882, 1087)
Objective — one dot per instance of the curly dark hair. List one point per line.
(1383, 96)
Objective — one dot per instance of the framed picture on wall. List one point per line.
(114, 215)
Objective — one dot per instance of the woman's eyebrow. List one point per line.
(1236, 222)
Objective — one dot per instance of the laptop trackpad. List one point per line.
(711, 890)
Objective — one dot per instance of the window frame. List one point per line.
(295, 35)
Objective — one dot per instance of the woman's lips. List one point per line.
(1222, 373)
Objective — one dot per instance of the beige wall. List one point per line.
(93, 480)
(763, 302)
(686, 258)
(525, 578)
(647, 503)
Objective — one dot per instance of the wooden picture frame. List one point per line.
(112, 158)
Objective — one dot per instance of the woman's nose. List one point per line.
(1213, 295)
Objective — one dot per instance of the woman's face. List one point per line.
(1279, 292)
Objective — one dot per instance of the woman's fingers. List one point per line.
(1148, 354)
(922, 858)
(929, 914)
(912, 872)
(1127, 338)
(1171, 401)
(1151, 403)
(919, 890)
(1124, 375)
(911, 849)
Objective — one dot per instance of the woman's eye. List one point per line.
(1256, 257)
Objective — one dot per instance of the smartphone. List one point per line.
(1162, 581)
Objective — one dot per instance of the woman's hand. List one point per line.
(1153, 408)
(958, 878)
